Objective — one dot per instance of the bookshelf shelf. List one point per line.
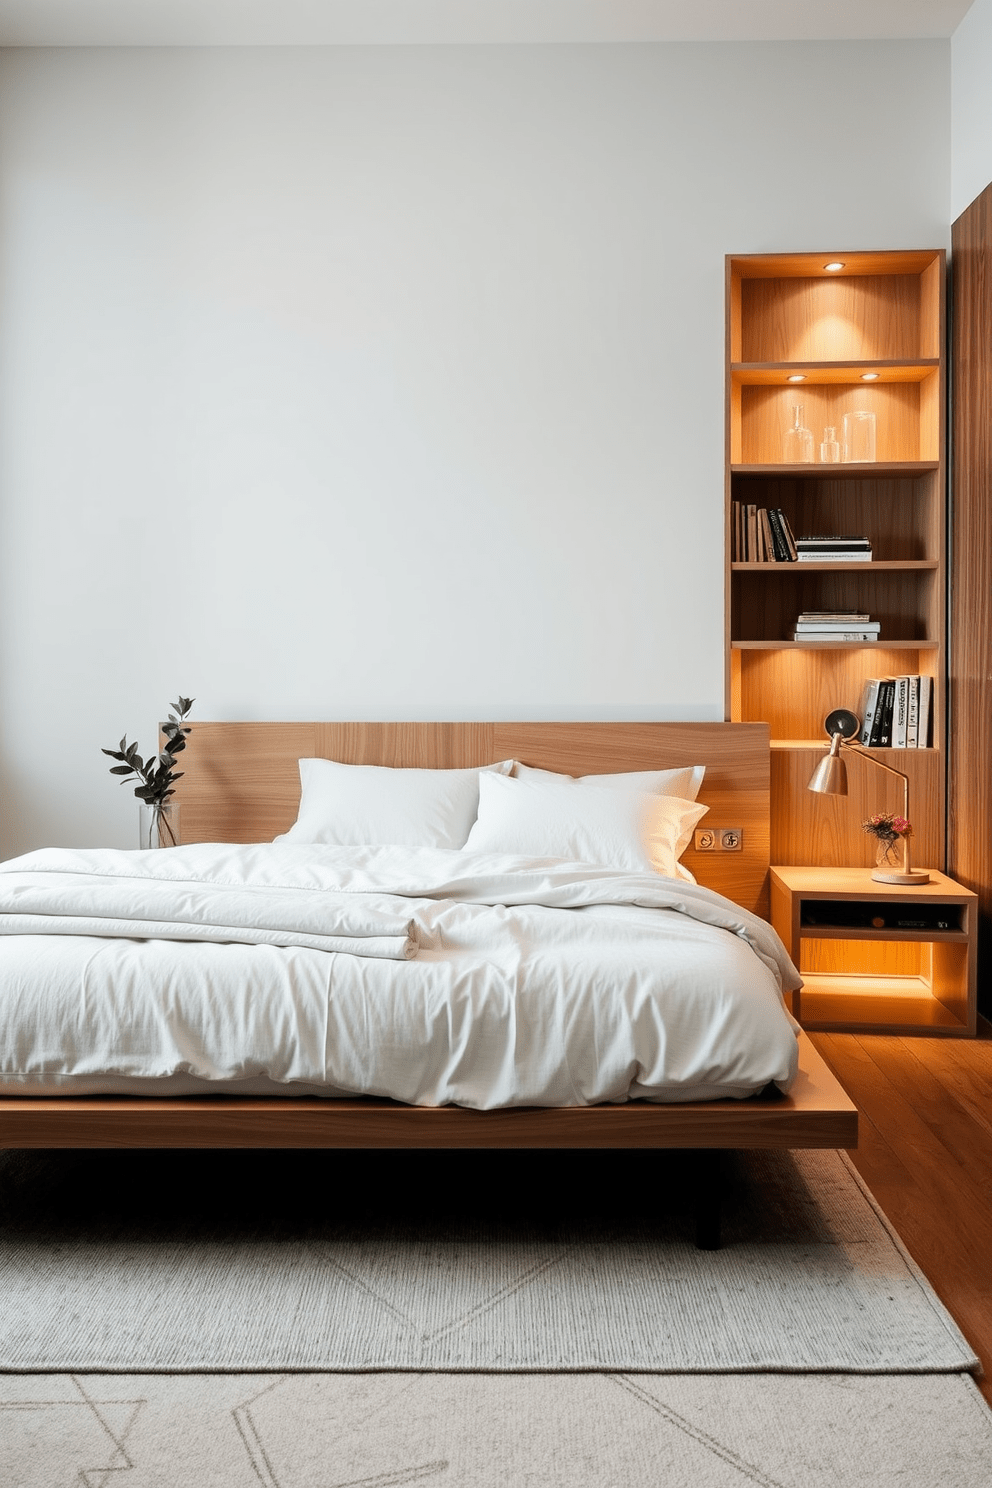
(890, 756)
(774, 374)
(877, 469)
(873, 646)
(907, 565)
(883, 313)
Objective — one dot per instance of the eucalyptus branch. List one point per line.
(157, 775)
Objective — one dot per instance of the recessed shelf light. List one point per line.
(833, 267)
(870, 376)
(796, 377)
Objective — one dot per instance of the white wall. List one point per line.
(388, 382)
(971, 107)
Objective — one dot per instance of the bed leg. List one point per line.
(708, 1193)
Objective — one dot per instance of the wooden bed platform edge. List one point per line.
(816, 1113)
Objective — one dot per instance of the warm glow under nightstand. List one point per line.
(897, 977)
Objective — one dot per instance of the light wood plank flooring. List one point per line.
(926, 1153)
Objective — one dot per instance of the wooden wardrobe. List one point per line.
(969, 821)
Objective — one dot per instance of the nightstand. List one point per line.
(878, 958)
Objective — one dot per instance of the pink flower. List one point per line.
(887, 827)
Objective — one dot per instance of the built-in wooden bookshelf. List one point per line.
(788, 316)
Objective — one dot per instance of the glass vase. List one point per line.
(797, 445)
(158, 826)
(891, 854)
(859, 437)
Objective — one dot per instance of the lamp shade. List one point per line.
(830, 776)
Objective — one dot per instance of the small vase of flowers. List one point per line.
(156, 777)
(892, 833)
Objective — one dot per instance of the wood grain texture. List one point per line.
(811, 829)
(242, 779)
(833, 317)
(766, 414)
(856, 263)
(767, 604)
(925, 1151)
(816, 1113)
(969, 845)
(775, 374)
(901, 515)
(782, 309)
(795, 689)
(889, 980)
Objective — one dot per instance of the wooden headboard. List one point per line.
(242, 783)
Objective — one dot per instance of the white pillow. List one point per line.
(370, 805)
(684, 783)
(610, 828)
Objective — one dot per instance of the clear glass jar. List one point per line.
(859, 437)
(892, 855)
(830, 450)
(158, 826)
(797, 445)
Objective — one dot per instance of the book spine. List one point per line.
(767, 544)
(900, 715)
(913, 714)
(752, 533)
(871, 626)
(869, 703)
(778, 536)
(861, 556)
(834, 635)
(788, 534)
(881, 728)
(926, 700)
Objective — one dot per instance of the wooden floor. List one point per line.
(926, 1153)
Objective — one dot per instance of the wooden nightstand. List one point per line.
(879, 958)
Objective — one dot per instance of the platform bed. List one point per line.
(242, 785)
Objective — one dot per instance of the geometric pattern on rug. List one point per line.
(810, 1276)
(480, 1431)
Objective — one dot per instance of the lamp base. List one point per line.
(914, 876)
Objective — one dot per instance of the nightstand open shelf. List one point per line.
(881, 958)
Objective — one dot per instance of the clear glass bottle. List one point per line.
(830, 449)
(797, 446)
(859, 436)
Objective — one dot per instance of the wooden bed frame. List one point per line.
(242, 785)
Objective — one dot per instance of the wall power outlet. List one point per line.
(718, 839)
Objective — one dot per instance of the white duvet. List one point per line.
(426, 975)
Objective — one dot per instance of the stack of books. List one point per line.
(895, 712)
(833, 549)
(835, 625)
(761, 535)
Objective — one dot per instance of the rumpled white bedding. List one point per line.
(532, 981)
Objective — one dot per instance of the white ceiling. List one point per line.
(350, 22)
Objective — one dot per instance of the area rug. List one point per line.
(144, 1262)
(482, 1431)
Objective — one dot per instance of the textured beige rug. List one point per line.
(139, 1262)
(486, 1431)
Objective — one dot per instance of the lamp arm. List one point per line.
(889, 769)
